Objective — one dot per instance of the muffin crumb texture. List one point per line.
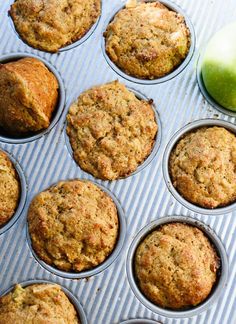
(73, 225)
(111, 131)
(37, 303)
(203, 167)
(52, 24)
(9, 189)
(29, 93)
(147, 40)
(176, 266)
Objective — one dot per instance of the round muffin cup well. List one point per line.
(107, 262)
(165, 165)
(23, 195)
(216, 291)
(205, 93)
(172, 6)
(58, 109)
(156, 145)
(79, 309)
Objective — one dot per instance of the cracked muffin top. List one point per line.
(37, 303)
(111, 131)
(9, 189)
(202, 167)
(147, 40)
(52, 24)
(73, 225)
(29, 94)
(176, 266)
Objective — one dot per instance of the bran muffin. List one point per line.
(111, 131)
(37, 303)
(202, 167)
(176, 266)
(9, 189)
(52, 24)
(29, 93)
(147, 40)
(73, 225)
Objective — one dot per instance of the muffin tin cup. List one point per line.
(23, 194)
(167, 77)
(106, 263)
(205, 93)
(58, 110)
(79, 309)
(165, 165)
(140, 321)
(217, 290)
(156, 145)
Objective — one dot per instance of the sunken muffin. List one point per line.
(147, 40)
(9, 189)
(176, 266)
(111, 131)
(73, 225)
(52, 24)
(37, 303)
(202, 167)
(29, 93)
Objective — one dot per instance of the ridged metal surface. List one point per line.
(107, 297)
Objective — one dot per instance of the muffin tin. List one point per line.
(144, 197)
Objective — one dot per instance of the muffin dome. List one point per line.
(52, 24)
(73, 225)
(111, 131)
(202, 167)
(37, 303)
(147, 40)
(176, 266)
(29, 93)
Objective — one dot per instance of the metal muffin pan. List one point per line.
(59, 107)
(217, 290)
(107, 297)
(174, 140)
(72, 298)
(171, 5)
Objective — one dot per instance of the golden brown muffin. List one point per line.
(176, 266)
(73, 225)
(29, 93)
(52, 24)
(111, 131)
(147, 40)
(202, 167)
(37, 303)
(9, 189)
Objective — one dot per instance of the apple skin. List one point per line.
(219, 67)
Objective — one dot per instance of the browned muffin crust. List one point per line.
(29, 93)
(147, 40)
(37, 303)
(52, 24)
(73, 225)
(202, 167)
(9, 189)
(176, 266)
(111, 131)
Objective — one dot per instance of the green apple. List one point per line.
(219, 67)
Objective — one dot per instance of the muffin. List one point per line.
(73, 225)
(9, 189)
(37, 303)
(202, 167)
(52, 24)
(147, 40)
(176, 266)
(29, 93)
(111, 131)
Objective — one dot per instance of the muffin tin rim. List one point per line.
(140, 321)
(214, 239)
